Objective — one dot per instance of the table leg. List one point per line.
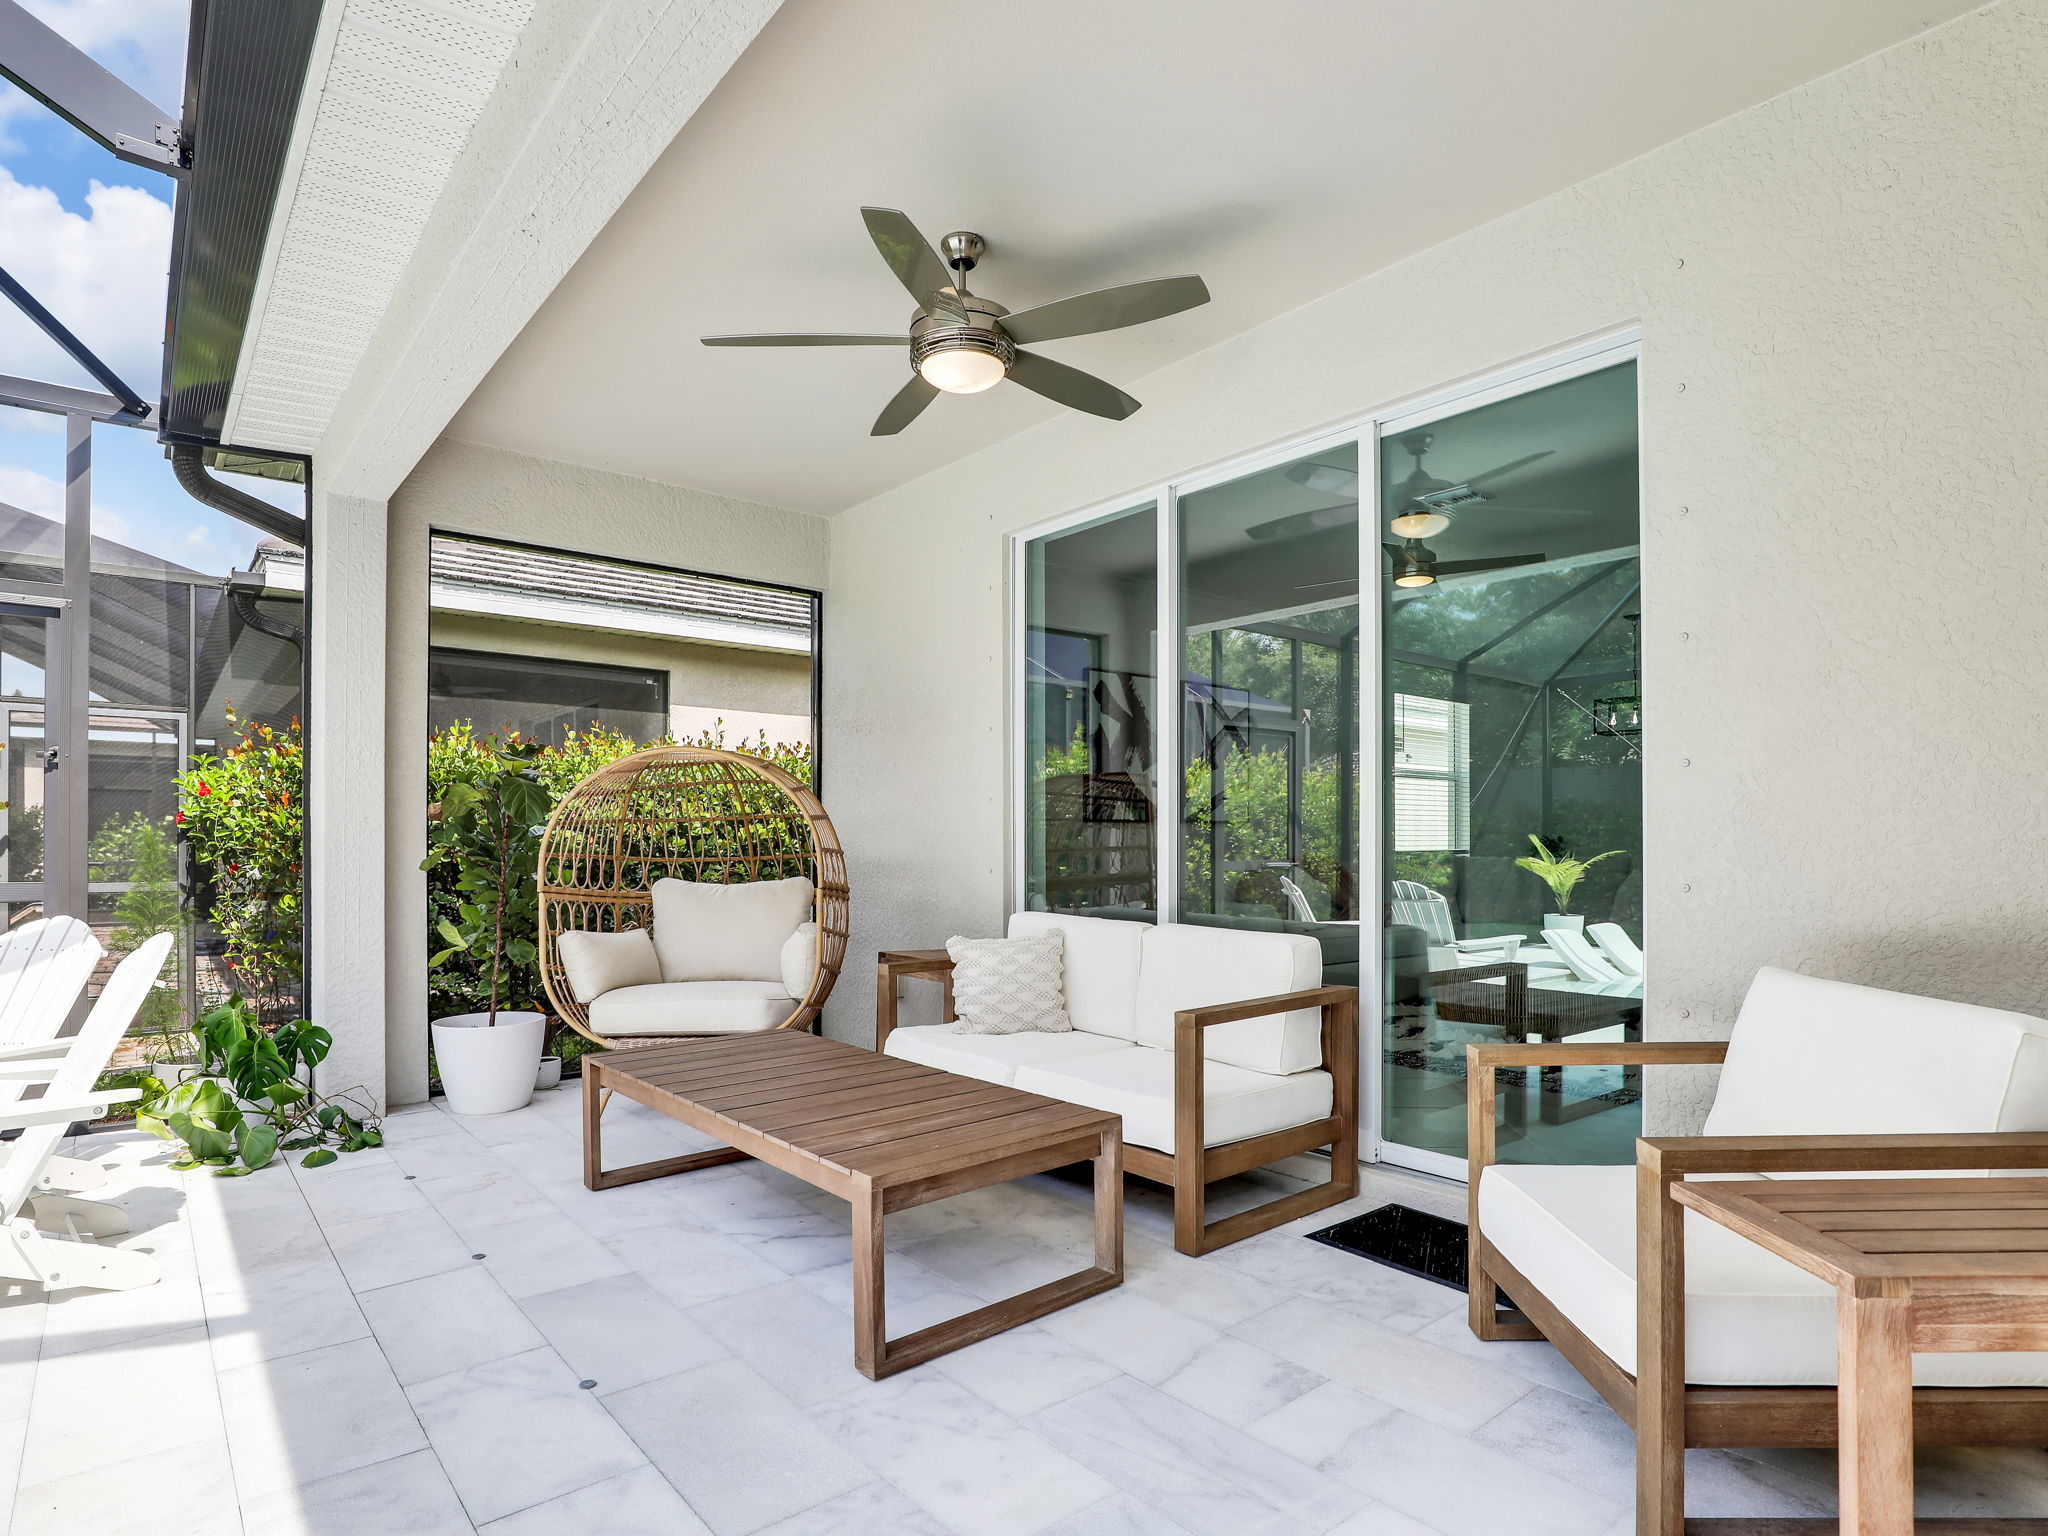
(1109, 1204)
(1874, 1402)
(870, 1311)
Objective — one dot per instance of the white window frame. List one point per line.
(1366, 431)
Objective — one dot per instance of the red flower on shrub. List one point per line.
(202, 789)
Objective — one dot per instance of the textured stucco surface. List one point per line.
(462, 488)
(1845, 348)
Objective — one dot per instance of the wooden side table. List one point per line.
(1926, 1265)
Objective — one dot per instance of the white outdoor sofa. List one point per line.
(1818, 1079)
(1219, 1047)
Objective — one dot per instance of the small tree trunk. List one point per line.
(498, 920)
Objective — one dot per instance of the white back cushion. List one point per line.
(1102, 960)
(596, 963)
(1192, 967)
(707, 932)
(800, 960)
(1824, 1058)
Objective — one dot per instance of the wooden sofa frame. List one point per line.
(1189, 1175)
(1667, 1415)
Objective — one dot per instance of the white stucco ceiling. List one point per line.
(1280, 150)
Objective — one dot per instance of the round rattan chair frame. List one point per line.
(689, 813)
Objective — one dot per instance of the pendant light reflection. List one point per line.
(1414, 565)
(1419, 523)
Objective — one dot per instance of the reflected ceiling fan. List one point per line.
(961, 343)
(1416, 565)
(1422, 505)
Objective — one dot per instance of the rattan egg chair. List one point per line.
(689, 813)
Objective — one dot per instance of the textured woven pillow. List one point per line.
(1010, 986)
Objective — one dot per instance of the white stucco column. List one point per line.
(345, 790)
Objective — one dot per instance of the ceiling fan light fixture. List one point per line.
(1414, 566)
(1419, 524)
(962, 360)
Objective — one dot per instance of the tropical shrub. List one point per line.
(244, 814)
(485, 832)
(137, 851)
(1558, 869)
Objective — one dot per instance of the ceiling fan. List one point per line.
(1415, 565)
(961, 343)
(1422, 505)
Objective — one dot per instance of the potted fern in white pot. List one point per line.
(1562, 873)
(489, 833)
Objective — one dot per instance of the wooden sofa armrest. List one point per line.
(1339, 1006)
(891, 965)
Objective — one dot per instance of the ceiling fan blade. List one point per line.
(803, 339)
(1304, 522)
(1106, 309)
(1495, 506)
(903, 407)
(1321, 477)
(912, 259)
(1498, 563)
(1506, 469)
(1070, 386)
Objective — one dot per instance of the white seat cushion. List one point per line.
(704, 931)
(992, 1058)
(1752, 1320)
(1102, 958)
(1137, 1083)
(692, 1008)
(1192, 967)
(1810, 1057)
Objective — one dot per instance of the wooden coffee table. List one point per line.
(1928, 1265)
(883, 1135)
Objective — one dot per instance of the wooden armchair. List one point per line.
(1300, 1094)
(1990, 1070)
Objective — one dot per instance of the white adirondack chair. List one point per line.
(47, 1239)
(44, 967)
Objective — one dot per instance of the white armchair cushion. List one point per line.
(992, 1058)
(1009, 986)
(1810, 1057)
(800, 960)
(691, 1008)
(1137, 1083)
(709, 932)
(1186, 966)
(1102, 960)
(596, 963)
(1752, 1320)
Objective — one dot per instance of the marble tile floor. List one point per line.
(450, 1335)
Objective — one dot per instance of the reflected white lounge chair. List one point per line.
(48, 1239)
(1617, 947)
(1586, 962)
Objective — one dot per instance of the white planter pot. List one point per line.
(550, 1074)
(1571, 922)
(489, 1069)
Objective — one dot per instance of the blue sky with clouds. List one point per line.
(90, 236)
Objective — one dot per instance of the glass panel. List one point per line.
(543, 700)
(1513, 719)
(31, 496)
(1269, 734)
(1090, 691)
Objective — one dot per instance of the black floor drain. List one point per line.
(1406, 1239)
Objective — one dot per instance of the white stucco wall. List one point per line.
(1845, 359)
(463, 488)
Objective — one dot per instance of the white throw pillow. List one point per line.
(800, 960)
(1009, 986)
(707, 932)
(596, 963)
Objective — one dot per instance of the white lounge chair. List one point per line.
(1619, 949)
(1586, 962)
(44, 967)
(47, 1239)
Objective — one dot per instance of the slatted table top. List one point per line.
(1954, 1233)
(826, 1110)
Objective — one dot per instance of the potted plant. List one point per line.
(486, 830)
(1562, 873)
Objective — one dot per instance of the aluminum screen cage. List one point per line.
(685, 813)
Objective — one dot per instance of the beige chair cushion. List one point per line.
(800, 960)
(1137, 1083)
(1102, 957)
(709, 932)
(1751, 1319)
(596, 963)
(1187, 966)
(992, 1058)
(691, 1008)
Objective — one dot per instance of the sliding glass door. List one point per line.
(1512, 711)
(1401, 712)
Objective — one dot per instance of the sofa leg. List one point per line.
(1190, 1206)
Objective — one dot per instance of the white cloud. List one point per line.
(101, 273)
(39, 493)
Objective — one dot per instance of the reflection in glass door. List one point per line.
(1512, 717)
